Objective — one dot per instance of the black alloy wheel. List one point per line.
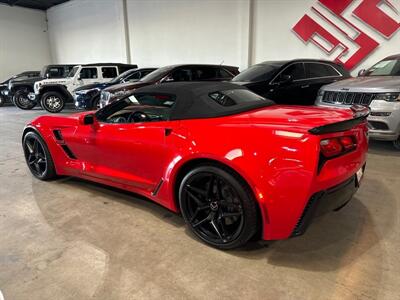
(53, 102)
(22, 101)
(38, 157)
(218, 207)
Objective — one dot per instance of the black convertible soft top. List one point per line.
(193, 99)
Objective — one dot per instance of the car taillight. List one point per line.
(337, 146)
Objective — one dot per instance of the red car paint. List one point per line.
(270, 148)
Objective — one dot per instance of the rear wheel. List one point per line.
(396, 143)
(218, 207)
(53, 102)
(22, 101)
(38, 157)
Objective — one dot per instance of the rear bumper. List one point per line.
(326, 201)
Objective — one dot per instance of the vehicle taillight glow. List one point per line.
(337, 146)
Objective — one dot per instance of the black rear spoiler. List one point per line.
(360, 113)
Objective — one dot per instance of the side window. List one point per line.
(139, 108)
(133, 76)
(182, 74)
(67, 70)
(56, 72)
(109, 72)
(316, 70)
(88, 73)
(296, 71)
(204, 73)
(222, 73)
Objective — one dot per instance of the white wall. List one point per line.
(24, 43)
(87, 31)
(191, 31)
(163, 32)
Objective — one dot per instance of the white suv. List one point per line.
(54, 93)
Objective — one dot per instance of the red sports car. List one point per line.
(233, 163)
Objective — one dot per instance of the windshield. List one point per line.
(390, 67)
(72, 72)
(157, 74)
(259, 72)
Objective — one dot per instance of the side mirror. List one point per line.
(88, 119)
(79, 77)
(284, 79)
(362, 72)
(47, 75)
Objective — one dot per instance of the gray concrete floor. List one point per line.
(71, 239)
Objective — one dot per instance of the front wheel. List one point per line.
(96, 103)
(396, 143)
(38, 157)
(53, 102)
(218, 207)
(22, 101)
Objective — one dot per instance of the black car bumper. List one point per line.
(323, 202)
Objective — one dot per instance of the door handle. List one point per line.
(305, 86)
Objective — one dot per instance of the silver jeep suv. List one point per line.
(379, 88)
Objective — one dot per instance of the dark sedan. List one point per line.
(174, 73)
(88, 96)
(292, 81)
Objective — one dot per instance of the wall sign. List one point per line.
(375, 14)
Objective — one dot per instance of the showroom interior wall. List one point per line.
(161, 32)
(24, 43)
(87, 32)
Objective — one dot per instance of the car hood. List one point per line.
(368, 83)
(26, 80)
(93, 86)
(127, 86)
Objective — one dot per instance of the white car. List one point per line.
(54, 93)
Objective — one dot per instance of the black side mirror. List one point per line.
(88, 119)
(362, 72)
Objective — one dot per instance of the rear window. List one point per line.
(236, 97)
(315, 70)
(109, 72)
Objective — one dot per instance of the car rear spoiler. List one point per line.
(360, 113)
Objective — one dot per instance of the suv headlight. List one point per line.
(390, 97)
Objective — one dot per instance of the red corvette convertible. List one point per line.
(233, 163)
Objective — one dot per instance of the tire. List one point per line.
(2, 101)
(53, 102)
(38, 157)
(96, 103)
(218, 207)
(396, 143)
(21, 100)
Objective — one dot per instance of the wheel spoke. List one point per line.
(210, 189)
(216, 229)
(198, 209)
(30, 147)
(194, 197)
(196, 190)
(208, 218)
(37, 168)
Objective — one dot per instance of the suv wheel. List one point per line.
(2, 100)
(96, 103)
(22, 101)
(53, 102)
(396, 143)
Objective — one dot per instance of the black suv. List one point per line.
(21, 89)
(291, 81)
(5, 93)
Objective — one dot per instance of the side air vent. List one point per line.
(58, 135)
(68, 151)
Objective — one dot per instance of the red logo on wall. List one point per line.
(352, 44)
